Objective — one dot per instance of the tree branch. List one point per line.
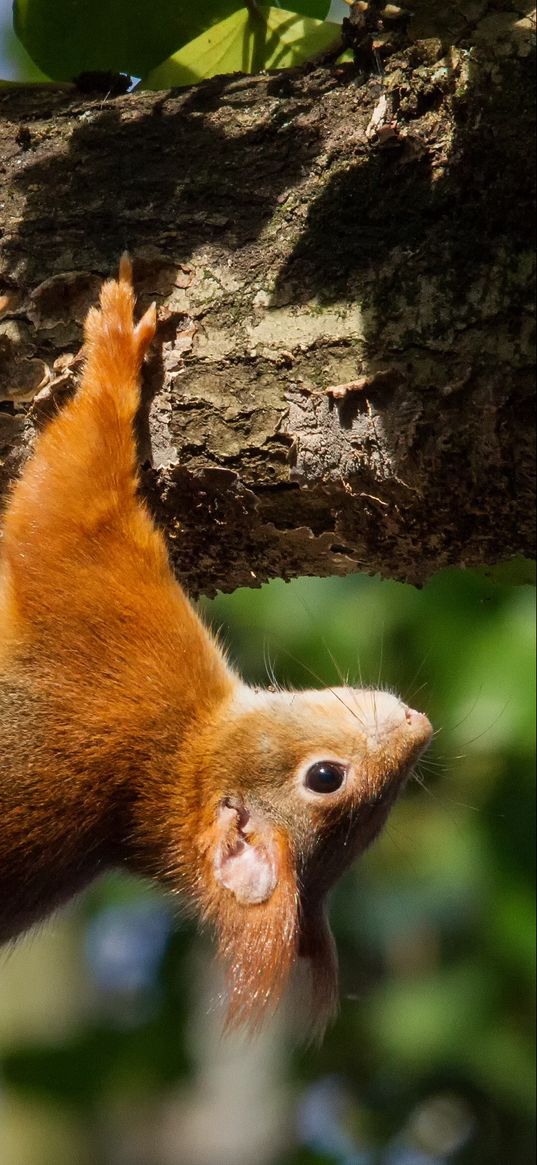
(300, 231)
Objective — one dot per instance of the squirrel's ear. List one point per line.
(250, 895)
(245, 853)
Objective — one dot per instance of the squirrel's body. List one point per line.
(125, 738)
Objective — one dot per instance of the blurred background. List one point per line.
(111, 1050)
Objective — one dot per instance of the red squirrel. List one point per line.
(126, 738)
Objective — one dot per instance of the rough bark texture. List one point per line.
(292, 247)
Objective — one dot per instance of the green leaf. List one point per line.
(68, 37)
(271, 39)
(21, 70)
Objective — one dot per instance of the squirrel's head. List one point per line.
(301, 783)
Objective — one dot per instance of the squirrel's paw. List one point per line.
(111, 327)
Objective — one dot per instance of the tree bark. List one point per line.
(344, 272)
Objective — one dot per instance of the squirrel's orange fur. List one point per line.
(126, 740)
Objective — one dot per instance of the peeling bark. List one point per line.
(343, 378)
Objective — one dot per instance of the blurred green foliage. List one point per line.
(432, 1057)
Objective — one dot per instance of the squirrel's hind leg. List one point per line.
(114, 345)
(79, 487)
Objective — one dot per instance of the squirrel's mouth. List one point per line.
(344, 843)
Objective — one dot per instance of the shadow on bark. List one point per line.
(391, 202)
(114, 185)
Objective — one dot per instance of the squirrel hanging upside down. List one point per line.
(126, 740)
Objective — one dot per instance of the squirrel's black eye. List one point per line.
(325, 777)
